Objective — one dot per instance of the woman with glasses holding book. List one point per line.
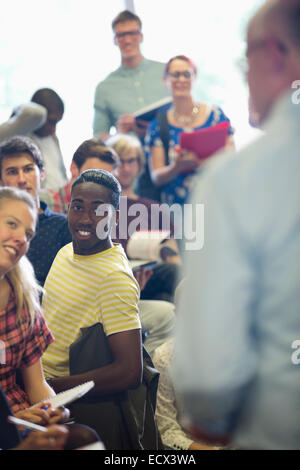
(172, 167)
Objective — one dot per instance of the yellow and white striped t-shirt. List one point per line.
(84, 290)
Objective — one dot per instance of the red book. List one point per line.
(205, 142)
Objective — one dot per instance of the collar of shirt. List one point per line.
(46, 211)
(285, 105)
(133, 71)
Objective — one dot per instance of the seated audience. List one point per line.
(24, 119)
(90, 283)
(21, 166)
(24, 333)
(22, 328)
(91, 153)
(172, 168)
(161, 285)
(46, 139)
(156, 312)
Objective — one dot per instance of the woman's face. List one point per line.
(17, 227)
(180, 78)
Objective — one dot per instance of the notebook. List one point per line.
(68, 396)
(146, 245)
(205, 142)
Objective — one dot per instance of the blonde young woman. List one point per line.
(24, 334)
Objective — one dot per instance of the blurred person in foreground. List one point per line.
(239, 316)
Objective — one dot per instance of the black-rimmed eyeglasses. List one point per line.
(185, 74)
(127, 33)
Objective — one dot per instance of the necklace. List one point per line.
(187, 119)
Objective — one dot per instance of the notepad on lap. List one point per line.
(205, 142)
(68, 396)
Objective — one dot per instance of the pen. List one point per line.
(26, 424)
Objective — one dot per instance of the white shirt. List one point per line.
(240, 312)
(55, 172)
(171, 431)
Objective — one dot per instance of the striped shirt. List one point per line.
(83, 290)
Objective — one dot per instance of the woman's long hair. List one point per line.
(21, 276)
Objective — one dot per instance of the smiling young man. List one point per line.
(91, 282)
(21, 166)
(135, 84)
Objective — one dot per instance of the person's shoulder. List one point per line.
(55, 222)
(56, 217)
(117, 263)
(111, 257)
(155, 64)
(64, 253)
(117, 254)
(155, 69)
(109, 79)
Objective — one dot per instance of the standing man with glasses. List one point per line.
(135, 84)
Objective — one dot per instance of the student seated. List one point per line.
(161, 285)
(23, 330)
(21, 166)
(91, 284)
(156, 313)
(24, 333)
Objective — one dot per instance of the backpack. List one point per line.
(145, 187)
(123, 420)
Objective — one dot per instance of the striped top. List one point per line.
(83, 290)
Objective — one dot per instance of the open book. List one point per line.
(149, 112)
(146, 245)
(205, 142)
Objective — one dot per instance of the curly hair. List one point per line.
(103, 178)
